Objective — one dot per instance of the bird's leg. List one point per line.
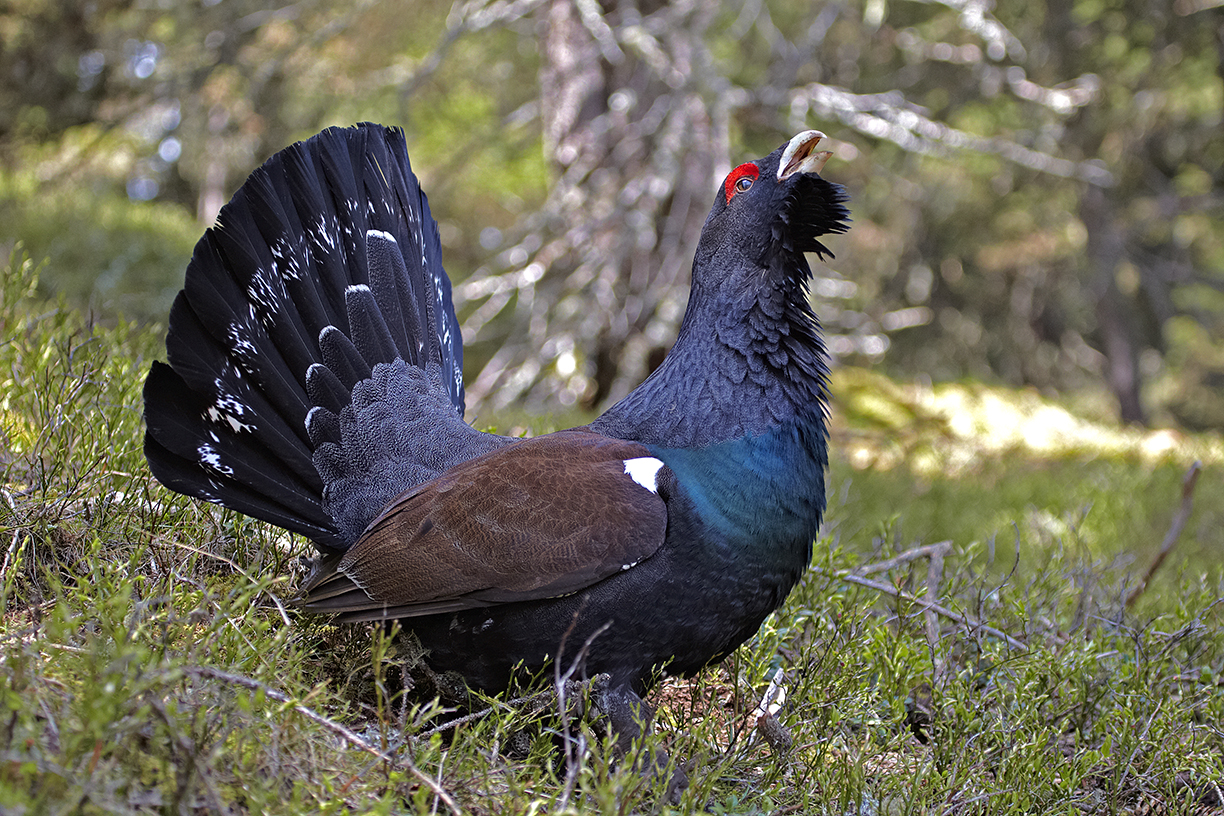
(629, 717)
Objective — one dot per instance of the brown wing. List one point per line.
(540, 518)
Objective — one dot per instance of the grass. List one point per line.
(150, 664)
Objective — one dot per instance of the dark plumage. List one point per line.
(315, 382)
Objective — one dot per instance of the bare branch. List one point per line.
(331, 725)
(851, 577)
(1175, 530)
(934, 578)
(891, 117)
(975, 17)
(928, 551)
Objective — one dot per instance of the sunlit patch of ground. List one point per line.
(950, 428)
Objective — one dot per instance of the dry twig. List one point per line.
(331, 725)
(934, 578)
(527, 701)
(1175, 530)
(964, 620)
(930, 550)
(855, 576)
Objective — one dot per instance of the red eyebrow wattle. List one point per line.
(748, 169)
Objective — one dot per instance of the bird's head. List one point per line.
(749, 355)
(770, 211)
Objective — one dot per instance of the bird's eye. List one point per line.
(740, 180)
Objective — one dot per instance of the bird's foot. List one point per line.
(629, 717)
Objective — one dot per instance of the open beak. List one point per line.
(801, 155)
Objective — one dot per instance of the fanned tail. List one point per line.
(313, 344)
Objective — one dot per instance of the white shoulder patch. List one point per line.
(386, 236)
(645, 471)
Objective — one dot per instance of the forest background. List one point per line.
(1037, 188)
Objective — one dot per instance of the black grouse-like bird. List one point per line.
(315, 382)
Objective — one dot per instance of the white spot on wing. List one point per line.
(386, 236)
(645, 471)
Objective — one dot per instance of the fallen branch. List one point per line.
(331, 725)
(930, 550)
(1175, 530)
(535, 700)
(853, 577)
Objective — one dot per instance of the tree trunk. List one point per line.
(1115, 314)
(628, 130)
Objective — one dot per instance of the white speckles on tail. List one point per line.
(267, 295)
(243, 351)
(285, 260)
(645, 471)
(234, 422)
(210, 459)
(325, 232)
(227, 408)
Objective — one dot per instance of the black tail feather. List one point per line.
(325, 390)
(246, 380)
(324, 265)
(369, 331)
(342, 357)
(203, 471)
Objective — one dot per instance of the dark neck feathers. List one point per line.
(749, 358)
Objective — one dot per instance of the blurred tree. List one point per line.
(634, 131)
(1037, 187)
(140, 116)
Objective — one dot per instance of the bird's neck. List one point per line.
(738, 413)
(744, 364)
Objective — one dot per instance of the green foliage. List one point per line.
(150, 663)
(231, 84)
(68, 207)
